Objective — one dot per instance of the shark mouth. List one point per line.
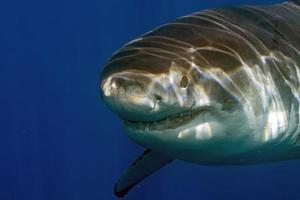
(171, 122)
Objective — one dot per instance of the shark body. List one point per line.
(217, 87)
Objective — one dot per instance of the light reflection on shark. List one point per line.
(217, 87)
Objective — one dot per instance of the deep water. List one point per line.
(58, 141)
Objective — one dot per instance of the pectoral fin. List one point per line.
(145, 165)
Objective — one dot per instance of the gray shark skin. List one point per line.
(217, 87)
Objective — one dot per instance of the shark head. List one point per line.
(171, 98)
(195, 86)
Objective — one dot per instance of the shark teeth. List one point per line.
(170, 122)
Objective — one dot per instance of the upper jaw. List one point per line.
(169, 122)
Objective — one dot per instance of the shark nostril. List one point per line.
(115, 82)
(157, 97)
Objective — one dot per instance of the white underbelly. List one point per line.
(226, 148)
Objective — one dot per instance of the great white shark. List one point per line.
(217, 87)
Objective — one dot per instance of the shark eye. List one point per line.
(184, 82)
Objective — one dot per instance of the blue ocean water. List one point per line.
(58, 141)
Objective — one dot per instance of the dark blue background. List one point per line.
(57, 140)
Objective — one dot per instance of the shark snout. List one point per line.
(120, 87)
(129, 97)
